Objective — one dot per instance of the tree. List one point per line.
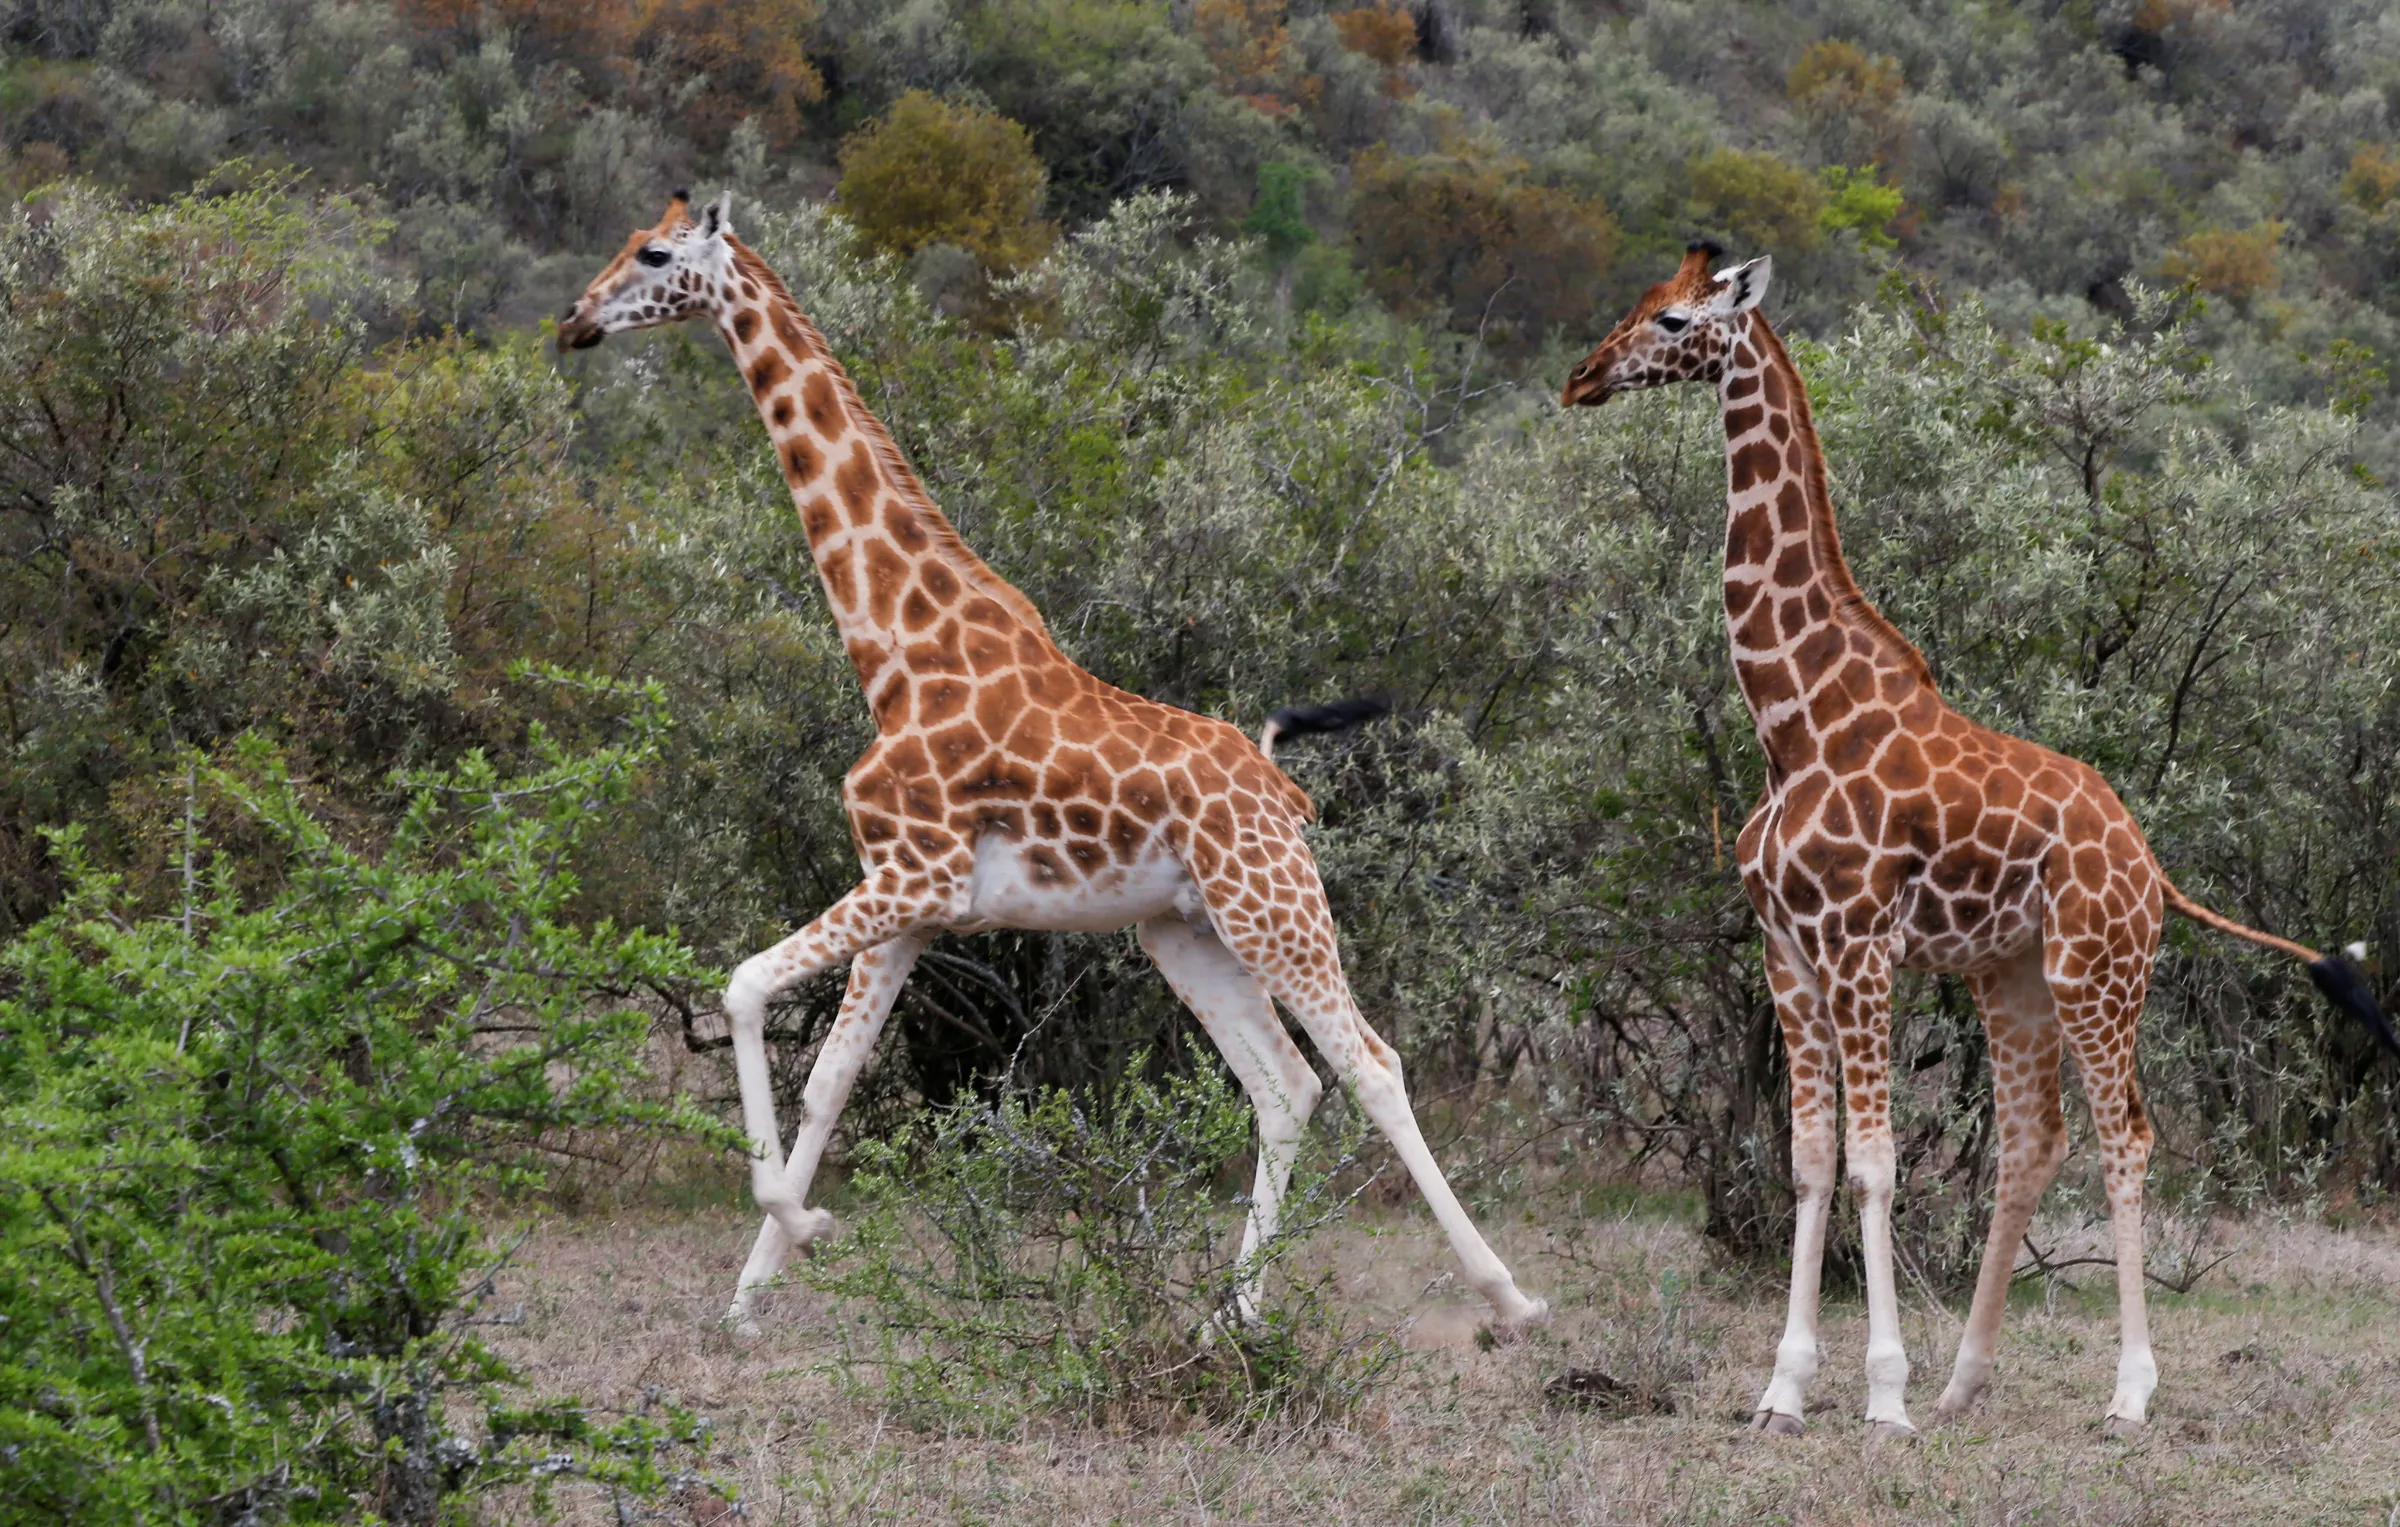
(1756, 202)
(1471, 237)
(1850, 100)
(934, 172)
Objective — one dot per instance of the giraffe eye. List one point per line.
(1673, 323)
(654, 258)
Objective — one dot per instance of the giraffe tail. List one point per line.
(2336, 975)
(1301, 720)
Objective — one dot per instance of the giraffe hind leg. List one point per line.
(2022, 1028)
(1284, 937)
(1283, 1090)
(2097, 1016)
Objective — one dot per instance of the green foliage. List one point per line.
(243, 1143)
(1279, 215)
(1049, 1251)
(1854, 199)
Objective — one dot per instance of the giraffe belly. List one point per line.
(1022, 884)
(1943, 941)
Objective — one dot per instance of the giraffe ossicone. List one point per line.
(1895, 833)
(1007, 787)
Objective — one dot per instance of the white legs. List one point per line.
(1815, 1064)
(1371, 1069)
(1837, 1023)
(1240, 1022)
(1871, 1167)
(876, 976)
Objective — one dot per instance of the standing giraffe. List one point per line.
(1008, 788)
(1895, 832)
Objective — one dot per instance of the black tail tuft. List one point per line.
(1340, 716)
(2345, 985)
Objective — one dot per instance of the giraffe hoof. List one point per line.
(2120, 1426)
(1885, 1432)
(1535, 1313)
(1776, 1424)
(815, 1225)
(1947, 1410)
(737, 1321)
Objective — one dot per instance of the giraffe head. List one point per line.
(1681, 330)
(663, 274)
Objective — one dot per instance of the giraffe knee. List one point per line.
(1298, 1089)
(747, 993)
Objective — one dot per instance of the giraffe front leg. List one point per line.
(875, 912)
(1812, 1060)
(1859, 994)
(876, 976)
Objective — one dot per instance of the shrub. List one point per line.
(2226, 262)
(1279, 215)
(1386, 32)
(1049, 1252)
(934, 172)
(2373, 178)
(1855, 199)
(244, 1145)
(748, 55)
(1470, 236)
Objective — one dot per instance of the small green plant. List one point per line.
(1040, 1252)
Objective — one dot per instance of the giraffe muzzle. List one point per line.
(576, 332)
(1587, 386)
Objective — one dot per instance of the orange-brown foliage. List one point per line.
(2236, 263)
(1468, 235)
(1249, 51)
(1852, 95)
(752, 52)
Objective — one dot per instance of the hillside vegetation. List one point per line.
(1230, 331)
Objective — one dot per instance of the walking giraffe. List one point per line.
(1008, 788)
(1895, 832)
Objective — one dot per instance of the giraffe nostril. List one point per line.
(568, 313)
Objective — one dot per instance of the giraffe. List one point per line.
(1894, 832)
(1008, 788)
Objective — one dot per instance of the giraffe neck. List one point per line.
(1808, 647)
(909, 597)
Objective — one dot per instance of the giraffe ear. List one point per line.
(716, 220)
(1739, 287)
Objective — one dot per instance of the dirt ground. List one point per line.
(2279, 1374)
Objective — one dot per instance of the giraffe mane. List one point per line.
(976, 572)
(1851, 603)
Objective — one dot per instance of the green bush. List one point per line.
(1047, 1252)
(248, 1149)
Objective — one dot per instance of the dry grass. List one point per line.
(2279, 1377)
